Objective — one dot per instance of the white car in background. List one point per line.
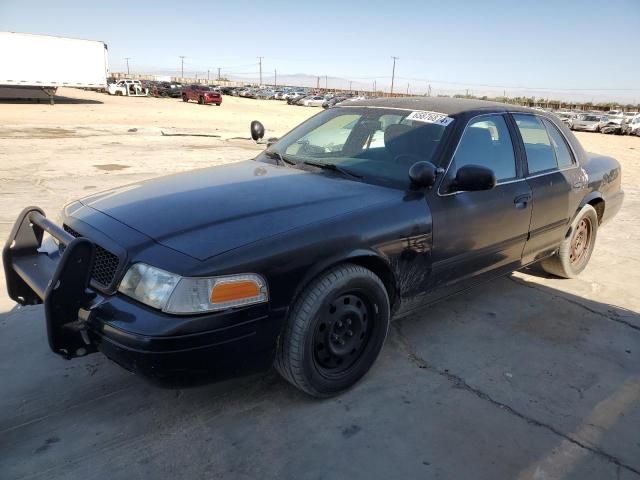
(633, 126)
(316, 101)
(586, 121)
(127, 88)
(565, 117)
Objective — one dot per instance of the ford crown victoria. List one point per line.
(302, 256)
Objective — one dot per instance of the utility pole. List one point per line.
(260, 61)
(219, 74)
(407, 89)
(326, 82)
(275, 78)
(181, 57)
(393, 73)
(429, 91)
(350, 85)
(374, 86)
(127, 59)
(208, 75)
(318, 83)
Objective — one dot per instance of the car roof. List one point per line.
(446, 105)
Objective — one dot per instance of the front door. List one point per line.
(482, 232)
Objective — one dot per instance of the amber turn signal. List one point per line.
(236, 290)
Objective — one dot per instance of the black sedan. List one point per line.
(302, 256)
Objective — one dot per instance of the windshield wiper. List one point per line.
(279, 156)
(333, 167)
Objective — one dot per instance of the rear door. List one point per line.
(476, 233)
(552, 172)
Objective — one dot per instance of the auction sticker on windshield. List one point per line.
(430, 117)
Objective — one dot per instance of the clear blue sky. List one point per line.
(579, 49)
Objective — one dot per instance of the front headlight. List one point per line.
(184, 295)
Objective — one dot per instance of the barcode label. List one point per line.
(430, 117)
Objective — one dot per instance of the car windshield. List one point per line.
(376, 144)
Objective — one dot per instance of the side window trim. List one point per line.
(516, 154)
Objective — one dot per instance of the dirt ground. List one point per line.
(527, 377)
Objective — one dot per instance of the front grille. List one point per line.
(105, 264)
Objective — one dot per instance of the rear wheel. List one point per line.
(185, 98)
(201, 100)
(575, 251)
(335, 331)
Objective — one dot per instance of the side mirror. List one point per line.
(257, 130)
(473, 178)
(423, 174)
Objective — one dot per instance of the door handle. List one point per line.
(521, 201)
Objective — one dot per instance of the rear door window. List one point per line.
(541, 156)
(563, 155)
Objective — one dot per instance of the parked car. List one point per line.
(612, 124)
(566, 117)
(314, 101)
(201, 94)
(333, 101)
(165, 89)
(633, 126)
(301, 256)
(292, 98)
(585, 121)
(129, 88)
(265, 94)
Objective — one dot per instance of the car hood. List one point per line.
(206, 212)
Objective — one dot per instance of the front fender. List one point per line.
(375, 261)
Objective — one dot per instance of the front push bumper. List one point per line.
(81, 320)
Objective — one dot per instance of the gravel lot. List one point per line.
(527, 377)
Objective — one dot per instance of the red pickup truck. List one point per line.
(202, 94)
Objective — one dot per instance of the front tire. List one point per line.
(575, 251)
(335, 331)
(185, 98)
(201, 100)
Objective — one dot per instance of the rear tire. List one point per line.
(335, 331)
(575, 251)
(200, 100)
(185, 98)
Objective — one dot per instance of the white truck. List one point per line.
(34, 66)
(127, 87)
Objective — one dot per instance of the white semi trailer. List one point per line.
(34, 66)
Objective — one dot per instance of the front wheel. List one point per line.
(201, 100)
(335, 331)
(185, 98)
(575, 250)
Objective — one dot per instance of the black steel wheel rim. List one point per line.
(342, 332)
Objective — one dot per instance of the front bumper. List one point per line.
(80, 320)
